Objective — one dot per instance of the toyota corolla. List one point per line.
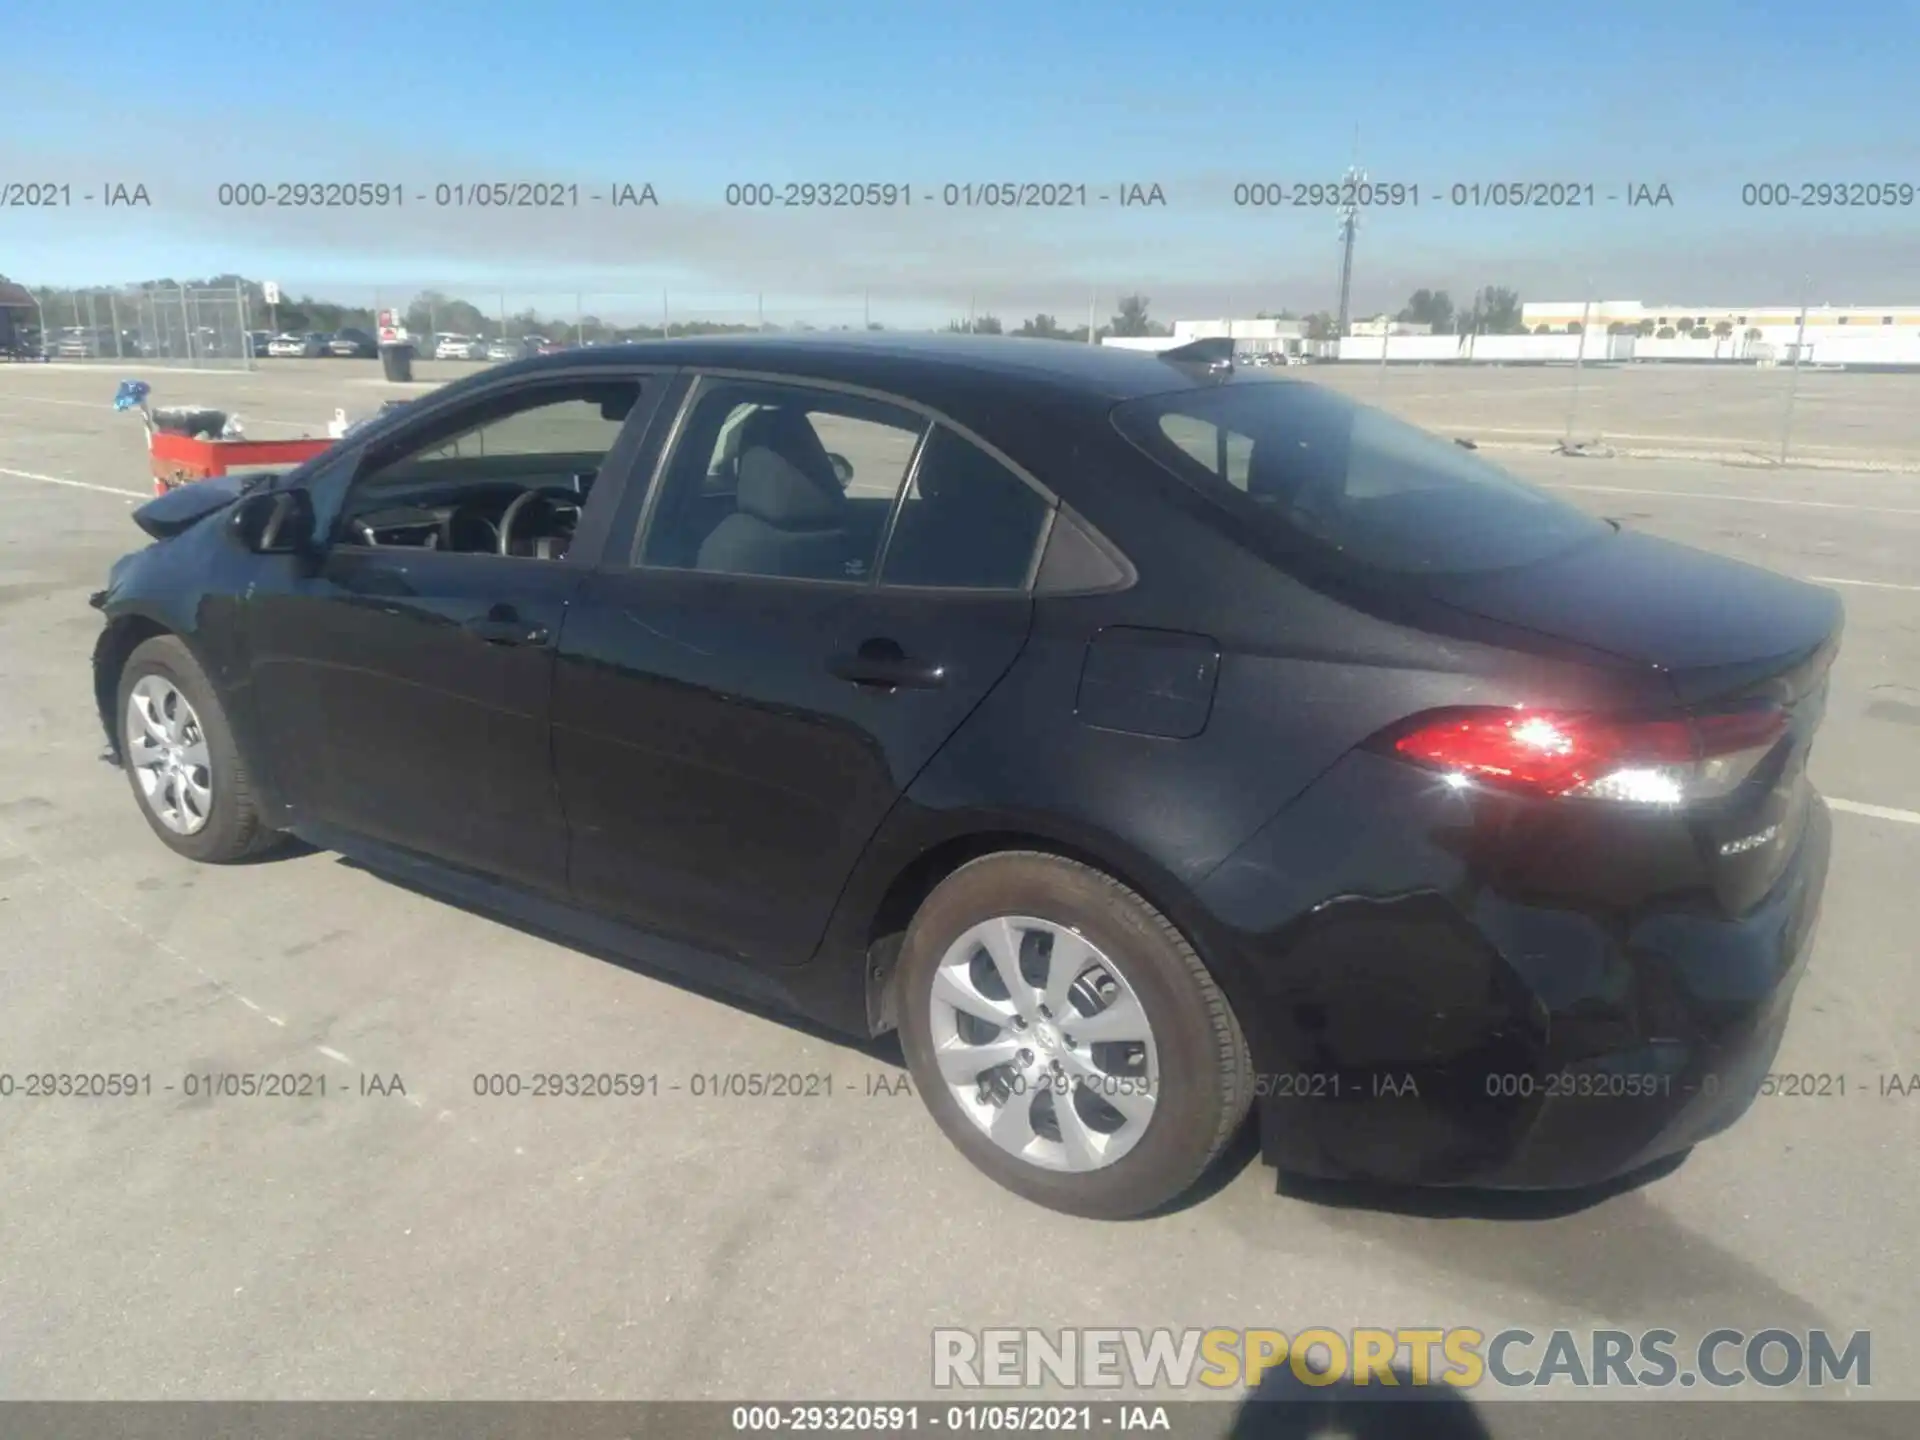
(1144, 742)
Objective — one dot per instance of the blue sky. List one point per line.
(1699, 95)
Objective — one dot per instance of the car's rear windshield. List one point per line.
(1316, 469)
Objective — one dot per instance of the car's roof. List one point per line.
(1092, 371)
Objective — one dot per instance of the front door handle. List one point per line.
(498, 631)
(883, 665)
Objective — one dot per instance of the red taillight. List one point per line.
(1669, 762)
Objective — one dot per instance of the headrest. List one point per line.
(791, 434)
(775, 490)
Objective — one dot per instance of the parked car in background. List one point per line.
(459, 347)
(289, 346)
(78, 342)
(1144, 741)
(93, 342)
(258, 343)
(507, 348)
(353, 345)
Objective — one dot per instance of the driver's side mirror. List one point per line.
(842, 467)
(275, 522)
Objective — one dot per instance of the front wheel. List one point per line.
(180, 757)
(1067, 1038)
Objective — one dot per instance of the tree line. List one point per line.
(1493, 310)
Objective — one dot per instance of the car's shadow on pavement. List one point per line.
(1431, 1202)
(1466, 1203)
(1241, 1153)
(885, 1050)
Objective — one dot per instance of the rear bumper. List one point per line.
(1459, 1033)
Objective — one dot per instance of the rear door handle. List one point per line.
(884, 667)
(496, 631)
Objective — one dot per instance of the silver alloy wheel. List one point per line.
(1043, 1043)
(167, 752)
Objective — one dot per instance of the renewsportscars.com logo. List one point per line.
(1461, 1357)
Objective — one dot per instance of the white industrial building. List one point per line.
(1776, 322)
(1834, 334)
(1250, 337)
(1382, 325)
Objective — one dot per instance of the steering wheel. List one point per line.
(557, 495)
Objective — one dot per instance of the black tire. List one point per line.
(235, 829)
(1206, 1074)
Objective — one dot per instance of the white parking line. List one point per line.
(1869, 584)
(75, 484)
(1742, 499)
(1875, 812)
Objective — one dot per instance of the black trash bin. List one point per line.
(396, 361)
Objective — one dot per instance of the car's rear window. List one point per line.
(1317, 469)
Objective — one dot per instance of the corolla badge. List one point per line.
(1750, 842)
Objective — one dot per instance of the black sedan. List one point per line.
(352, 345)
(1144, 742)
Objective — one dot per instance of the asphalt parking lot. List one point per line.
(419, 1240)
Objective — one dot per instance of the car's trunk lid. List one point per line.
(1717, 627)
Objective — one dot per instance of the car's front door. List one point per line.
(737, 709)
(406, 681)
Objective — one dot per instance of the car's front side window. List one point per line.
(510, 477)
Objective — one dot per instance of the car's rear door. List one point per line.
(405, 686)
(740, 699)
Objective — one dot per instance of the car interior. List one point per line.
(770, 500)
(485, 490)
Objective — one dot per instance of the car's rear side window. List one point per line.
(1314, 468)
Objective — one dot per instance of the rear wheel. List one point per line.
(1067, 1038)
(180, 757)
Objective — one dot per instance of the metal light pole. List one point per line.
(1093, 300)
(1349, 228)
(1793, 381)
(1573, 400)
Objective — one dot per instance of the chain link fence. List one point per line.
(186, 327)
(1810, 392)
